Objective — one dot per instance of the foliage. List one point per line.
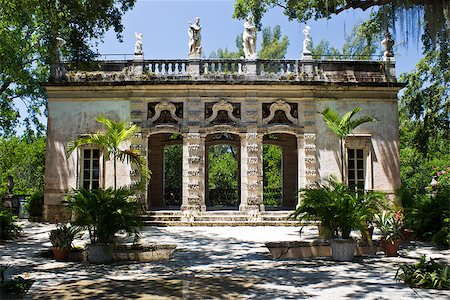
(24, 159)
(362, 42)
(109, 141)
(273, 46)
(9, 229)
(427, 274)
(62, 237)
(105, 212)
(272, 175)
(425, 104)
(429, 217)
(15, 287)
(222, 167)
(173, 156)
(343, 127)
(436, 12)
(337, 207)
(29, 31)
(390, 225)
(35, 204)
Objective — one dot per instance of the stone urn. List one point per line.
(100, 253)
(343, 249)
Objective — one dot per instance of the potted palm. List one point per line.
(390, 225)
(337, 208)
(62, 238)
(104, 213)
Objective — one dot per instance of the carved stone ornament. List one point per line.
(222, 105)
(283, 106)
(165, 106)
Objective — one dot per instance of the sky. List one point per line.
(164, 27)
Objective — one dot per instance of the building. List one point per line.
(245, 102)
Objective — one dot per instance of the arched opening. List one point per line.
(223, 171)
(280, 161)
(272, 176)
(173, 175)
(165, 162)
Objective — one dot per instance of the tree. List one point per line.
(436, 12)
(343, 127)
(24, 159)
(29, 31)
(110, 141)
(273, 46)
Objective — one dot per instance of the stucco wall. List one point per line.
(66, 121)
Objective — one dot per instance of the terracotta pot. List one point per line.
(61, 254)
(407, 234)
(389, 248)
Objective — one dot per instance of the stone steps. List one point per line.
(218, 218)
(221, 223)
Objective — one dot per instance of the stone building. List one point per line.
(246, 103)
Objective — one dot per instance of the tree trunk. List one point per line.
(342, 160)
(115, 166)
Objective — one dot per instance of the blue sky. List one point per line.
(164, 27)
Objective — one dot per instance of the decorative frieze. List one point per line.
(252, 160)
(194, 159)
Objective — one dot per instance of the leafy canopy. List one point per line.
(28, 31)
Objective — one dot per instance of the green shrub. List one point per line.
(105, 212)
(9, 229)
(35, 203)
(427, 274)
(428, 217)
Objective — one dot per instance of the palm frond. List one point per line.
(362, 120)
(332, 119)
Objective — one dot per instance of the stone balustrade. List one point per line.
(227, 70)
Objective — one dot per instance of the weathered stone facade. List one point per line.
(245, 99)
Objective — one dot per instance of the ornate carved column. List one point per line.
(193, 172)
(251, 172)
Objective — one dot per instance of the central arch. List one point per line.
(222, 176)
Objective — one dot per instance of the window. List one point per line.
(91, 169)
(356, 169)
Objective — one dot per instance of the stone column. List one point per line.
(251, 173)
(193, 173)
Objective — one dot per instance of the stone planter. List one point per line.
(317, 248)
(100, 253)
(343, 249)
(142, 252)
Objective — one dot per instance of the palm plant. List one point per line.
(105, 212)
(110, 141)
(343, 127)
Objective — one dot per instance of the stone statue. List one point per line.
(307, 42)
(249, 39)
(138, 44)
(195, 39)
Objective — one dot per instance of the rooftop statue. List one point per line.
(195, 39)
(138, 44)
(307, 42)
(249, 39)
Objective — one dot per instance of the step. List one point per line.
(222, 223)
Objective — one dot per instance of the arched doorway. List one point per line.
(222, 171)
(165, 162)
(280, 161)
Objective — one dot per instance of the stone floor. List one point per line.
(214, 263)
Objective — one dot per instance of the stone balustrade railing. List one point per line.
(227, 69)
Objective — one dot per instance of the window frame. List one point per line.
(360, 142)
(81, 166)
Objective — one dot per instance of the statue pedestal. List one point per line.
(194, 67)
(251, 68)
